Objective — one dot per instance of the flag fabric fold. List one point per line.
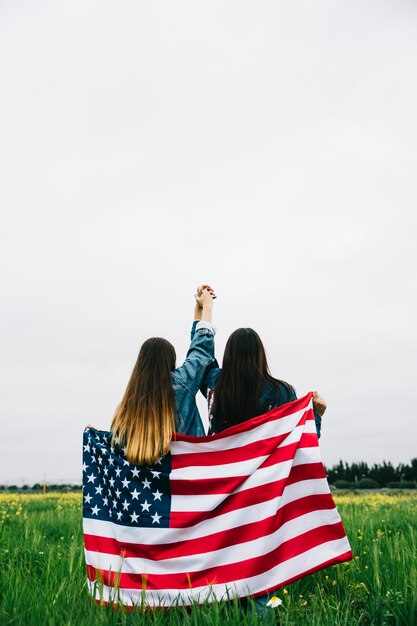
(236, 514)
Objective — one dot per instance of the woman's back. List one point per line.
(272, 395)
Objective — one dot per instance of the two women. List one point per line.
(160, 399)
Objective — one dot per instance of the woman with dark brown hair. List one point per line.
(160, 399)
(244, 387)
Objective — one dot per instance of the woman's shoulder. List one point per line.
(276, 392)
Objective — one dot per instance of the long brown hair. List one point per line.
(244, 373)
(144, 421)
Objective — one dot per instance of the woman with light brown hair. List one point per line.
(160, 399)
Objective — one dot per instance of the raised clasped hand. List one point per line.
(204, 293)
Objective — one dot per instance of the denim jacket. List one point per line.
(271, 397)
(187, 380)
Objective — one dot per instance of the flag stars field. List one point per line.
(112, 497)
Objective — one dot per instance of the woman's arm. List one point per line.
(198, 308)
(319, 406)
(204, 303)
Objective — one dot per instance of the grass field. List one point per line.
(43, 581)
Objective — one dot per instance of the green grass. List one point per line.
(42, 575)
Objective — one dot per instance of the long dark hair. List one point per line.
(145, 419)
(244, 373)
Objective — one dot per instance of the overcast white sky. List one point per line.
(266, 147)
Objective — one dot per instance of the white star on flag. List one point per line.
(155, 518)
(135, 494)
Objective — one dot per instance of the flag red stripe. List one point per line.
(206, 486)
(223, 573)
(306, 472)
(215, 541)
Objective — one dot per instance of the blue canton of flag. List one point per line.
(117, 491)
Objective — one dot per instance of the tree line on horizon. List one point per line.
(345, 475)
(342, 475)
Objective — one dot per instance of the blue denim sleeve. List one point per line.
(210, 379)
(200, 355)
(193, 327)
(317, 419)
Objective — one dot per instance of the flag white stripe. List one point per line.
(263, 431)
(304, 456)
(215, 558)
(273, 578)
(232, 519)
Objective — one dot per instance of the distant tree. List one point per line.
(408, 472)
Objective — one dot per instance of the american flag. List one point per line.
(236, 514)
